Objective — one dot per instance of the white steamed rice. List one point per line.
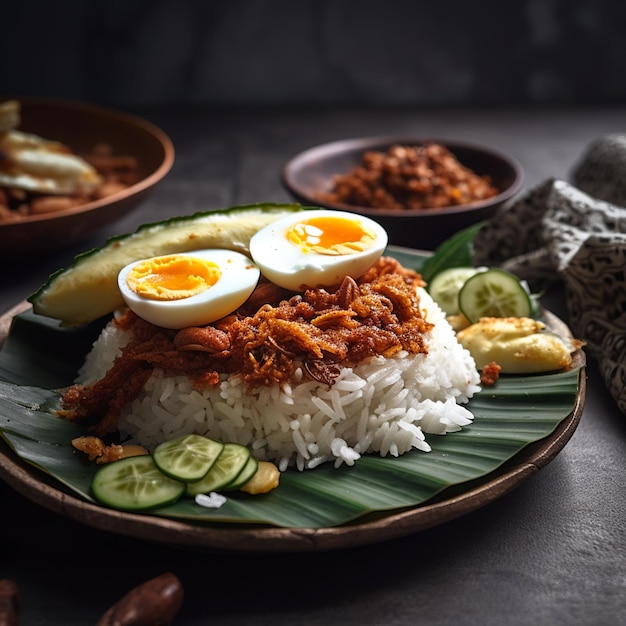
(383, 405)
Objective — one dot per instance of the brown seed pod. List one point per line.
(153, 603)
(9, 602)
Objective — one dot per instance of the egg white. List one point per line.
(239, 277)
(289, 267)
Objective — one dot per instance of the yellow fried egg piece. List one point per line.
(188, 289)
(520, 345)
(317, 248)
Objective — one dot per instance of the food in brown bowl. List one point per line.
(67, 169)
(422, 191)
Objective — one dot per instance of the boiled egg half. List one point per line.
(317, 248)
(188, 289)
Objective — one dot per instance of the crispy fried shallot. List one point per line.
(97, 450)
(264, 344)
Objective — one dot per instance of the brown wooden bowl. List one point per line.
(311, 173)
(81, 126)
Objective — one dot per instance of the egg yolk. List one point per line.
(330, 235)
(172, 277)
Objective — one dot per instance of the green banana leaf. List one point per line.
(38, 358)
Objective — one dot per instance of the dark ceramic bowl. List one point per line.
(82, 126)
(311, 173)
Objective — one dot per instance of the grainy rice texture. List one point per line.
(382, 405)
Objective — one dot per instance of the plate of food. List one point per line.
(336, 379)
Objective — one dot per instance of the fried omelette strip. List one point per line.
(35, 164)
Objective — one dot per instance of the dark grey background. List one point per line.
(143, 53)
(539, 79)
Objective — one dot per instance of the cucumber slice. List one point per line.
(494, 293)
(88, 289)
(445, 286)
(226, 469)
(187, 458)
(248, 471)
(135, 483)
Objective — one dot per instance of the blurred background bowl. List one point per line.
(82, 126)
(311, 173)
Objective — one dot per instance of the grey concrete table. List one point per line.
(551, 552)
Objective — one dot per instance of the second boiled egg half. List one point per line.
(317, 248)
(188, 289)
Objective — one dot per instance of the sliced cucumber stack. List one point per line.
(189, 465)
(494, 293)
(231, 461)
(476, 292)
(445, 286)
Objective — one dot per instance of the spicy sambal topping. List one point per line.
(409, 178)
(266, 340)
